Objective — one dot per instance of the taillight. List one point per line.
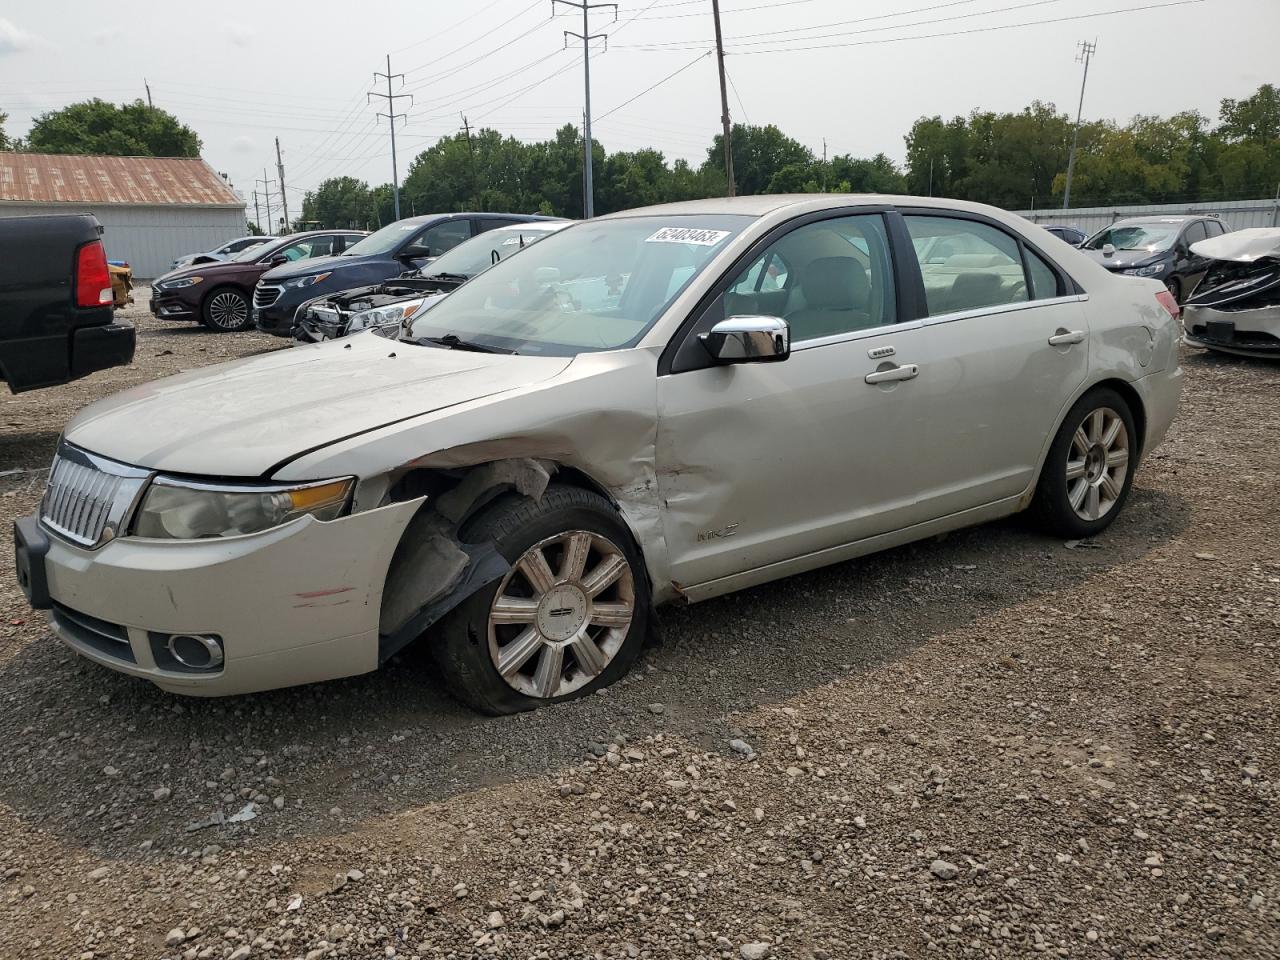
(1167, 300)
(93, 280)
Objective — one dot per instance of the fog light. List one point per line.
(195, 651)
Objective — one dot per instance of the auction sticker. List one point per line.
(693, 235)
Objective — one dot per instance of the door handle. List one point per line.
(908, 371)
(1066, 337)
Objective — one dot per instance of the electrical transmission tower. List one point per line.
(586, 36)
(1086, 53)
(392, 116)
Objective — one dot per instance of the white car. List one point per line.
(667, 404)
(224, 252)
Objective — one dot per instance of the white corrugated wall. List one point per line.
(149, 238)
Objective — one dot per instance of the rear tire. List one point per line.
(573, 624)
(1088, 473)
(226, 310)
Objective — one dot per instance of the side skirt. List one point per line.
(859, 548)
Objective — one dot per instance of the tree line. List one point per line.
(1011, 160)
(1015, 160)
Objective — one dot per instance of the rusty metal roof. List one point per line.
(143, 181)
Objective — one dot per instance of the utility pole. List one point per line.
(1086, 53)
(148, 86)
(824, 164)
(284, 197)
(586, 36)
(724, 103)
(472, 151)
(266, 196)
(392, 116)
(257, 214)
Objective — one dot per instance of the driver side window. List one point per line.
(437, 240)
(824, 279)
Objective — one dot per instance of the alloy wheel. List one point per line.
(1097, 464)
(561, 614)
(228, 311)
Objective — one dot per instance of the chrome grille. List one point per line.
(88, 497)
(265, 294)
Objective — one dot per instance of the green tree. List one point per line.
(340, 202)
(759, 153)
(98, 127)
(5, 142)
(1255, 119)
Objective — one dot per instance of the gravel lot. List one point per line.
(990, 745)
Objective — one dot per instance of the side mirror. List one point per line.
(748, 340)
(1108, 250)
(415, 252)
(279, 260)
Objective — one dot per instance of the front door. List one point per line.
(760, 463)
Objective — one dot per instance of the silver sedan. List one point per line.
(661, 405)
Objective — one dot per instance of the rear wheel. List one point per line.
(567, 619)
(226, 310)
(1089, 470)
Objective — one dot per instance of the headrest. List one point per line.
(835, 283)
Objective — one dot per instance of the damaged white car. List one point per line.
(661, 405)
(1236, 307)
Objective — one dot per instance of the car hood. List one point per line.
(1124, 259)
(243, 418)
(1243, 246)
(302, 268)
(212, 269)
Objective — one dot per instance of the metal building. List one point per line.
(153, 209)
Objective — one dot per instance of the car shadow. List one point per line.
(393, 740)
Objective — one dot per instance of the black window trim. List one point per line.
(904, 301)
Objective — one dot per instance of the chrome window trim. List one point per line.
(1004, 308)
(854, 335)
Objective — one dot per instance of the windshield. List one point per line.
(1136, 236)
(595, 286)
(476, 255)
(251, 253)
(385, 240)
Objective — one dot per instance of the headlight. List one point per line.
(1148, 271)
(391, 315)
(307, 281)
(176, 509)
(184, 282)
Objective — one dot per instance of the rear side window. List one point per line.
(1044, 281)
(967, 265)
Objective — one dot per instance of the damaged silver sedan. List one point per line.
(1236, 307)
(662, 405)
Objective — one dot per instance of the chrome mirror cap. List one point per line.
(748, 340)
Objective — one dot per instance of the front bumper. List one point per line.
(1254, 333)
(277, 319)
(170, 307)
(296, 604)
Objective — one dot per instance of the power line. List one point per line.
(391, 116)
(586, 36)
(1086, 54)
(655, 86)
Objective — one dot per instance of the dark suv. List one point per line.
(396, 248)
(1156, 247)
(218, 294)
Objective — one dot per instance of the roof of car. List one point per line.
(433, 217)
(1178, 219)
(765, 204)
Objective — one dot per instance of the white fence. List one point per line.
(1237, 214)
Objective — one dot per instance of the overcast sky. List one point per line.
(855, 73)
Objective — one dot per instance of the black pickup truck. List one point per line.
(56, 314)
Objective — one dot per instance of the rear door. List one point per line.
(1004, 349)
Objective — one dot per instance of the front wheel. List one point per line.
(227, 311)
(1089, 470)
(569, 617)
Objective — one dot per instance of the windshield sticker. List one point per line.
(698, 237)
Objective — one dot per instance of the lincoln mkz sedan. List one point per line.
(661, 405)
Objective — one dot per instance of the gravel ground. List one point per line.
(989, 745)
